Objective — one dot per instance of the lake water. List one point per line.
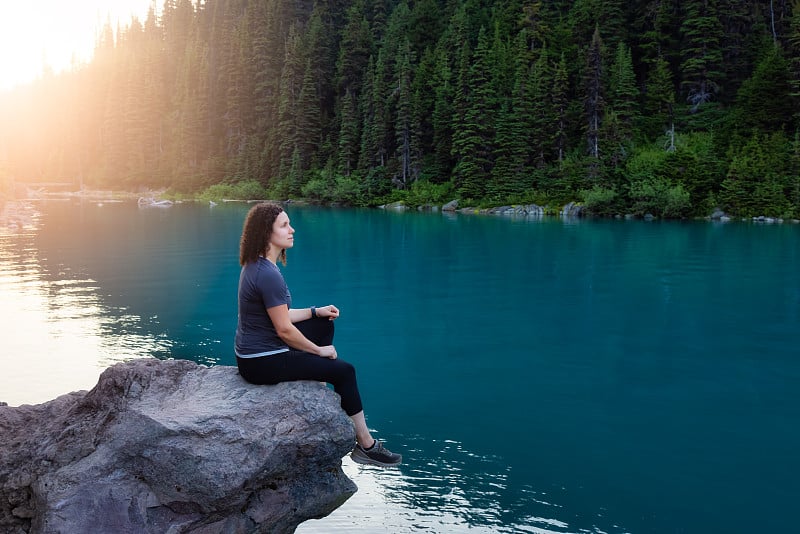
(540, 376)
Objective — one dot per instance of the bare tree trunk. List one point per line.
(670, 144)
(772, 22)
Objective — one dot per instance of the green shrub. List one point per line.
(693, 164)
(660, 197)
(348, 190)
(317, 190)
(600, 201)
(424, 192)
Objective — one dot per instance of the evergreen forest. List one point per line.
(668, 107)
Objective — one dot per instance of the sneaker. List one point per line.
(377, 455)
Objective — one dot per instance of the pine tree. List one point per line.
(473, 141)
(423, 90)
(320, 51)
(442, 117)
(701, 65)
(657, 32)
(425, 25)
(378, 129)
(403, 124)
(272, 24)
(308, 119)
(560, 108)
(793, 60)
(624, 94)
(539, 106)
(744, 33)
(509, 170)
(594, 101)
(291, 84)
(348, 135)
(764, 102)
(366, 111)
(355, 48)
(535, 29)
(659, 100)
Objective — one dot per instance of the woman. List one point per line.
(277, 343)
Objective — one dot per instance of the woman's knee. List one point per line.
(345, 370)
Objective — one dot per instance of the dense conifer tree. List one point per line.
(659, 100)
(624, 95)
(536, 97)
(473, 143)
(560, 100)
(348, 135)
(701, 68)
(292, 77)
(764, 99)
(404, 127)
(594, 101)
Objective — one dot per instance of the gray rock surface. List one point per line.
(450, 206)
(572, 210)
(173, 447)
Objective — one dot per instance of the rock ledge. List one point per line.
(172, 446)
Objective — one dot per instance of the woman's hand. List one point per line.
(330, 311)
(328, 351)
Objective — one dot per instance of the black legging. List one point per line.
(299, 365)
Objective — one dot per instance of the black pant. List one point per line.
(299, 365)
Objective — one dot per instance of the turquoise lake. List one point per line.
(542, 376)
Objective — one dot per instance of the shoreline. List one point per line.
(13, 211)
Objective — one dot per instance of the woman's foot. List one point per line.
(375, 455)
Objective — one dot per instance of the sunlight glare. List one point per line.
(39, 36)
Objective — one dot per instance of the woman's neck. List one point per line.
(272, 255)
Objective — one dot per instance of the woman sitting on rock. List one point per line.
(277, 343)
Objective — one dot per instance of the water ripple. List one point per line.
(56, 321)
(436, 493)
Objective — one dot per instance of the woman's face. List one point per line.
(282, 236)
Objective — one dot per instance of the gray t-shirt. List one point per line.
(261, 286)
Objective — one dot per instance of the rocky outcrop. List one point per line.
(571, 210)
(450, 206)
(171, 446)
(523, 210)
(397, 206)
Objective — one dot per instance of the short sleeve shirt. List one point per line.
(261, 286)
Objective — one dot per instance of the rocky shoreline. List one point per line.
(12, 213)
(569, 211)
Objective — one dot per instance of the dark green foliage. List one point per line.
(701, 67)
(662, 106)
(693, 164)
(761, 179)
(624, 95)
(475, 115)
(601, 201)
(764, 99)
(793, 64)
(659, 102)
(594, 101)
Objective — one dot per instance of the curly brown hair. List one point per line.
(256, 232)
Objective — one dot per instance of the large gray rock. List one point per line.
(450, 206)
(173, 447)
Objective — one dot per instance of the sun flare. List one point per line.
(39, 36)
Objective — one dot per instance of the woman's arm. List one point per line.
(281, 317)
(301, 314)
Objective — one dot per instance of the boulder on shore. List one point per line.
(172, 446)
